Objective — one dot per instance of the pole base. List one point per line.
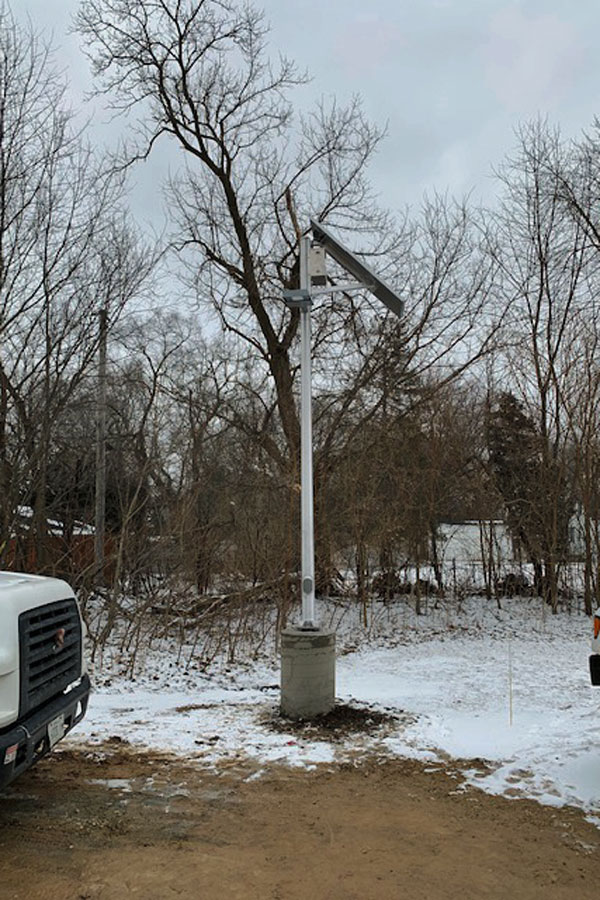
(307, 672)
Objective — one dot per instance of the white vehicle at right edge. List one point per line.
(595, 656)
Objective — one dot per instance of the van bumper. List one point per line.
(21, 745)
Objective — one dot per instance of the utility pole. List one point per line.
(100, 511)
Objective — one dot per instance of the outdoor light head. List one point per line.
(299, 299)
(357, 269)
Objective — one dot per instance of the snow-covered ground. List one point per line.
(447, 676)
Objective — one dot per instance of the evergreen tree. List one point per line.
(534, 490)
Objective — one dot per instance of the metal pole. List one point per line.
(306, 451)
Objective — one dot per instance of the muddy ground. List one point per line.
(111, 824)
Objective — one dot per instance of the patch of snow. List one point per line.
(507, 689)
(120, 784)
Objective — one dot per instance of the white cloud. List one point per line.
(531, 62)
(367, 41)
(454, 167)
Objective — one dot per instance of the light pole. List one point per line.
(302, 301)
(308, 651)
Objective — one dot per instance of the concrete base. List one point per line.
(307, 673)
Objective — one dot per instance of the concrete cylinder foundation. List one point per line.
(307, 673)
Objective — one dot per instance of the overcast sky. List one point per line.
(451, 78)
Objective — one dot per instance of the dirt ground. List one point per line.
(113, 824)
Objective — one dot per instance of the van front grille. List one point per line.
(50, 652)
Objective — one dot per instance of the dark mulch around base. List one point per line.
(344, 719)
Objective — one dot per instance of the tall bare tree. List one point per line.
(549, 280)
(197, 73)
(64, 244)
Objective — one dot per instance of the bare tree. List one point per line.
(198, 74)
(544, 252)
(64, 245)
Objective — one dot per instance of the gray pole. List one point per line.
(308, 541)
(100, 510)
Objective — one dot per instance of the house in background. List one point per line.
(466, 543)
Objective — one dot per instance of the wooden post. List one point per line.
(100, 510)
